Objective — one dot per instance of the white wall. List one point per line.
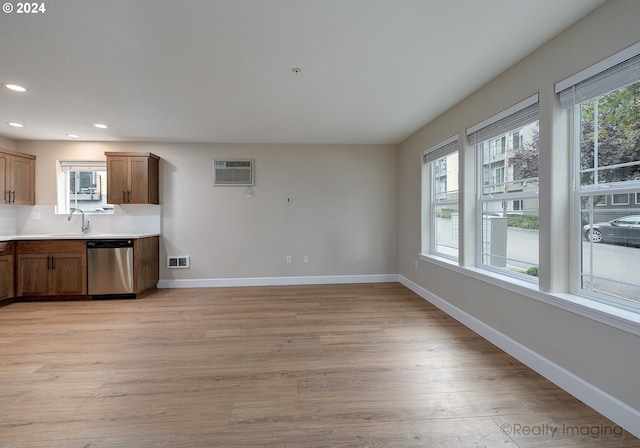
(607, 358)
(343, 214)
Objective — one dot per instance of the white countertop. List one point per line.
(78, 236)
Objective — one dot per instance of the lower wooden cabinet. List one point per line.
(50, 268)
(59, 267)
(6, 270)
(146, 268)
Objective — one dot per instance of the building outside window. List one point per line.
(442, 224)
(620, 199)
(507, 157)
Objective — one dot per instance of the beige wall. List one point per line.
(7, 143)
(606, 357)
(343, 213)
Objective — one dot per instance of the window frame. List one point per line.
(501, 126)
(64, 168)
(571, 102)
(430, 157)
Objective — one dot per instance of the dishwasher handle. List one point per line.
(108, 244)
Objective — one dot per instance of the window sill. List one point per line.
(620, 318)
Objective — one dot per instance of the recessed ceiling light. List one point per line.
(73, 136)
(14, 124)
(15, 87)
(100, 126)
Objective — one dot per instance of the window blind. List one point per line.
(442, 149)
(83, 165)
(613, 75)
(517, 116)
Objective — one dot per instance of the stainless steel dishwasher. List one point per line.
(110, 268)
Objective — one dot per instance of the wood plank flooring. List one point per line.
(370, 365)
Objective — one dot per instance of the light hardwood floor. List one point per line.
(369, 365)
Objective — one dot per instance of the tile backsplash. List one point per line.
(42, 219)
(7, 220)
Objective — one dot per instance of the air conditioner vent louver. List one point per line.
(233, 172)
(178, 262)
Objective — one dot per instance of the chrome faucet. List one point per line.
(85, 228)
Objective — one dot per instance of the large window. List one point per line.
(507, 157)
(441, 169)
(606, 110)
(83, 185)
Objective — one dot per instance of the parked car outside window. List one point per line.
(624, 230)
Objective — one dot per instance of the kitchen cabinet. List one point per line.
(132, 178)
(17, 178)
(50, 268)
(6, 270)
(146, 267)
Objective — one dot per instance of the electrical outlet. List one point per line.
(288, 259)
(306, 259)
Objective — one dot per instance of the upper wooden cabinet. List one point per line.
(132, 178)
(17, 178)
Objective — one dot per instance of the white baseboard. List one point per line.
(277, 281)
(606, 404)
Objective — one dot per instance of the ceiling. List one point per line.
(370, 71)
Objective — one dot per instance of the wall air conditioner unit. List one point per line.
(233, 172)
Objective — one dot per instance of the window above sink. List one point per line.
(83, 185)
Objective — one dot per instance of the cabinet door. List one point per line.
(4, 178)
(139, 175)
(117, 180)
(6, 276)
(23, 181)
(69, 273)
(146, 263)
(33, 275)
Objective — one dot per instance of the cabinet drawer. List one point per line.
(52, 246)
(6, 247)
